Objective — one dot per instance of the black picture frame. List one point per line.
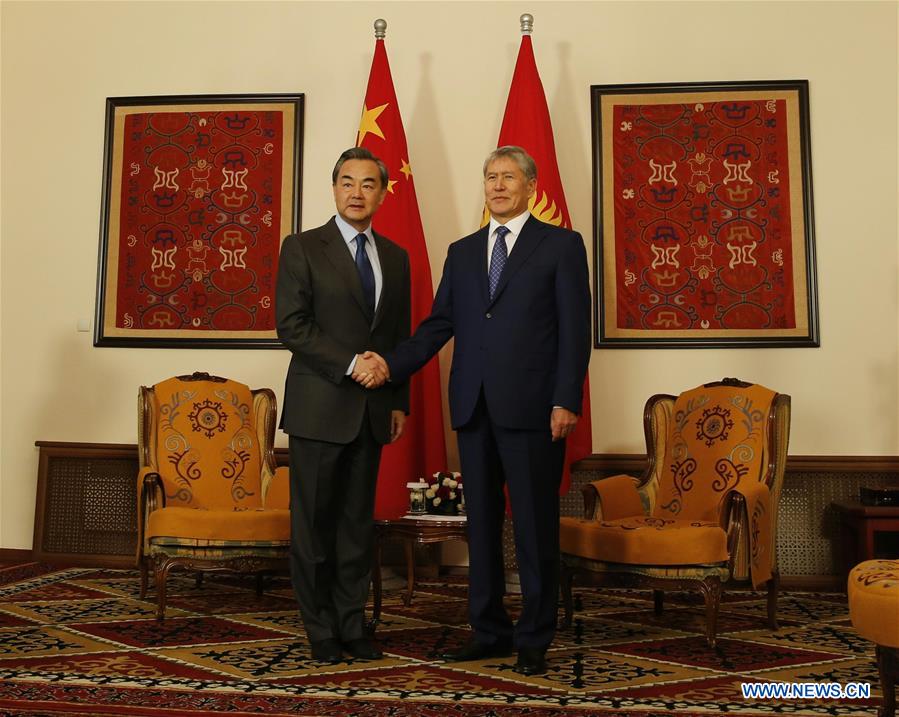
(681, 116)
(220, 244)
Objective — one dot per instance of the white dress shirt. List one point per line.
(513, 225)
(349, 232)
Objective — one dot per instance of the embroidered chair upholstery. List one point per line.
(704, 511)
(209, 495)
(873, 590)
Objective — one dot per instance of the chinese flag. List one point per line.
(421, 450)
(526, 123)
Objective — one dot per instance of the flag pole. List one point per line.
(423, 449)
(526, 123)
(527, 24)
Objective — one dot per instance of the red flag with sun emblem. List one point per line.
(422, 449)
(526, 123)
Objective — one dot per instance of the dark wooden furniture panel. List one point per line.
(86, 507)
(860, 525)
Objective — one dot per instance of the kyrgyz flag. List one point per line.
(422, 450)
(527, 124)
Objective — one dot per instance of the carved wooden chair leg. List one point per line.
(567, 578)
(143, 577)
(773, 589)
(711, 591)
(260, 584)
(658, 601)
(163, 565)
(888, 667)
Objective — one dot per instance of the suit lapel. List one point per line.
(481, 263)
(336, 250)
(531, 235)
(390, 272)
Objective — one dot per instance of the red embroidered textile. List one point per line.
(702, 216)
(199, 220)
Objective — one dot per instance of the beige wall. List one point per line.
(452, 63)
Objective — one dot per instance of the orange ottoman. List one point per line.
(874, 610)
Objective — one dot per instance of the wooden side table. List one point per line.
(410, 531)
(861, 522)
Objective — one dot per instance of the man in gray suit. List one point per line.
(342, 289)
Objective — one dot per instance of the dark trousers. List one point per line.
(332, 499)
(531, 464)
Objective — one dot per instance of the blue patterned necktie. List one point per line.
(497, 259)
(366, 273)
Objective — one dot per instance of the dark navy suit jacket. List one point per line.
(528, 348)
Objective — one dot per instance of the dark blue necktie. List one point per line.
(497, 259)
(366, 273)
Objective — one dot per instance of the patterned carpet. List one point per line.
(80, 642)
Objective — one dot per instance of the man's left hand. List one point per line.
(562, 423)
(397, 423)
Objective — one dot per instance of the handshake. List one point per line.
(371, 370)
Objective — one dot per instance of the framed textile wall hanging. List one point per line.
(198, 192)
(704, 234)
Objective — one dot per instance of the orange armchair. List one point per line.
(873, 589)
(209, 495)
(704, 512)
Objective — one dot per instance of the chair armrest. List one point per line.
(734, 506)
(150, 491)
(733, 521)
(150, 497)
(747, 519)
(612, 498)
(277, 497)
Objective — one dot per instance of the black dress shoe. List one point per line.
(327, 650)
(362, 649)
(475, 650)
(531, 661)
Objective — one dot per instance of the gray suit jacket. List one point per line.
(322, 318)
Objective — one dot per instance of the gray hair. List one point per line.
(360, 153)
(522, 159)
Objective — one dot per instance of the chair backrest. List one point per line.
(202, 435)
(718, 436)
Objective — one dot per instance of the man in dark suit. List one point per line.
(341, 289)
(516, 297)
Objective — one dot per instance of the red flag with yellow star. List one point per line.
(422, 450)
(526, 123)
